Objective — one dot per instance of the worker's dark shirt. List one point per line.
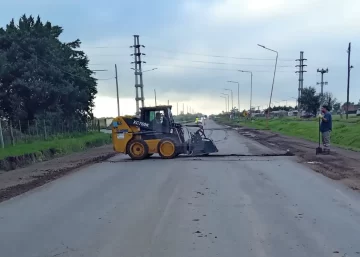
(156, 125)
(326, 125)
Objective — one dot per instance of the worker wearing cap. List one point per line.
(325, 127)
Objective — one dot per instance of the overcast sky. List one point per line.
(182, 37)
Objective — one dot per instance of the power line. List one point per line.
(207, 68)
(105, 79)
(221, 63)
(103, 47)
(197, 54)
(209, 62)
(219, 56)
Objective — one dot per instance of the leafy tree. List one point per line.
(328, 100)
(309, 100)
(337, 106)
(42, 76)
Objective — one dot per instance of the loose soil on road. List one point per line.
(16, 182)
(342, 165)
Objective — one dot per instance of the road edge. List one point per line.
(13, 191)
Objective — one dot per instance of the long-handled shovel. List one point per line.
(319, 149)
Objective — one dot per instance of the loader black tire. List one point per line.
(137, 149)
(167, 148)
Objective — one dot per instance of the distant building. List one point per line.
(352, 107)
(293, 113)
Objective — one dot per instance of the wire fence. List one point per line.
(26, 131)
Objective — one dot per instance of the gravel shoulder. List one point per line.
(341, 165)
(16, 182)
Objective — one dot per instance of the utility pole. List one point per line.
(322, 83)
(117, 91)
(177, 109)
(168, 102)
(138, 73)
(183, 109)
(155, 97)
(301, 77)
(348, 81)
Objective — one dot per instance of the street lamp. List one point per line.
(232, 102)
(296, 99)
(250, 87)
(230, 81)
(228, 105)
(272, 87)
(225, 101)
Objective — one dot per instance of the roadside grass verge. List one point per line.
(61, 144)
(345, 134)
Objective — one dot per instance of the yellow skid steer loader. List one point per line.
(156, 132)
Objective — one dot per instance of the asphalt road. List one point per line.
(188, 207)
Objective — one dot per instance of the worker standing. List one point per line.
(325, 127)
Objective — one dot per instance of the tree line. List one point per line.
(310, 100)
(42, 77)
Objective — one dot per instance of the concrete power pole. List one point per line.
(117, 91)
(348, 81)
(301, 77)
(138, 73)
(322, 83)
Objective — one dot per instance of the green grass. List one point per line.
(62, 144)
(346, 133)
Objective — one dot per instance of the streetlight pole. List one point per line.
(232, 102)
(228, 104)
(272, 86)
(155, 97)
(251, 77)
(225, 102)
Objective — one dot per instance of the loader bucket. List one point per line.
(203, 147)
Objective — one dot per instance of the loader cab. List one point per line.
(148, 114)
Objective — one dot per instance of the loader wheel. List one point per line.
(167, 148)
(137, 149)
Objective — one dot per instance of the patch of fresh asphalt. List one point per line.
(224, 206)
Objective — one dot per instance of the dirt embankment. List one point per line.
(16, 182)
(342, 165)
(19, 161)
